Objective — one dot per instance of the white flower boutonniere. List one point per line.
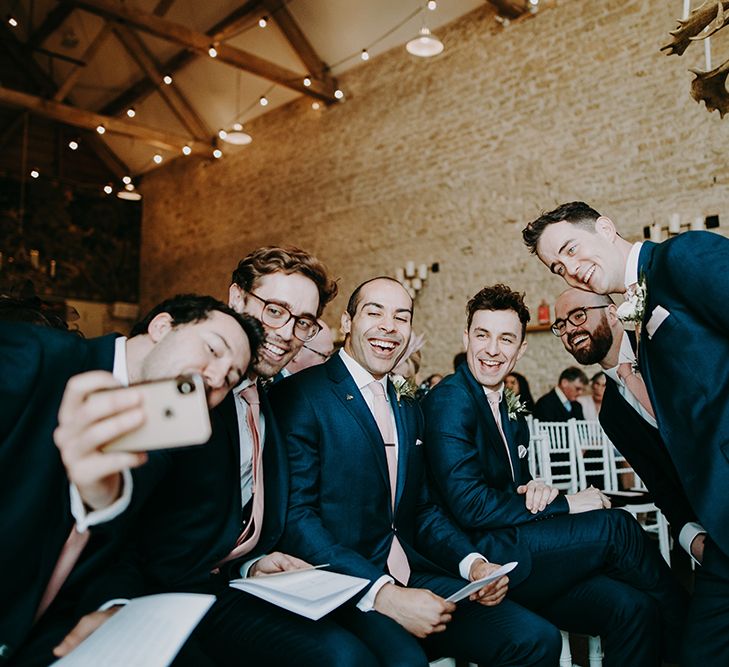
(633, 309)
(514, 406)
(403, 388)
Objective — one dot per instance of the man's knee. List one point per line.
(538, 646)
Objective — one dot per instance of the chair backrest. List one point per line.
(620, 467)
(591, 451)
(558, 462)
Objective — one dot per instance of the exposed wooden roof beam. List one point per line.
(175, 100)
(77, 70)
(221, 31)
(200, 43)
(510, 9)
(298, 40)
(162, 7)
(90, 120)
(50, 24)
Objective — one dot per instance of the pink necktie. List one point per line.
(397, 561)
(70, 553)
(494, 398)
(635, 385)
(252, 531)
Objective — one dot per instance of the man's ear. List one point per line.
(606, 228)
(612, 314)
(346, 323)
(236, 298)
(522, 349)
(160, 326)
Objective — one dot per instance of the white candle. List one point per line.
(656, 233)
(707, 53)
(686, 8)
(697, 224)
(410, 269)
(417, 284)
(674, 225)
(423, 271)
(400, 275)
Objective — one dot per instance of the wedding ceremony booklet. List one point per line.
(146, 632)
(475, 585)
(310, 592)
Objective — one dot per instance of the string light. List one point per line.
(131, 112)
(316, 106)
(73, 144)
(127, 180)
(157, 158)
(213, 52)
(100, 129)
(263, 22)
(167, 79)
(217, 153)
(129, 187)
(263, 101)
(108, 189)
(222, 134)
(34, 173)
(12, 21)
(432, 5)
(365, 55)
(307, 81)
(338, 94)
(186, 150)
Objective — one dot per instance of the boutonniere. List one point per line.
(633, 308)
(514, 406)
(404, 388)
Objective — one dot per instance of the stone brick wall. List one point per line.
(446, 160)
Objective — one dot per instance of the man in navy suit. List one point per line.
(359, 502)
(586, 571)
(49, 389)
(591, 331)
(676, 293)
(560, 404)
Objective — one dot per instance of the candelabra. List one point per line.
(413, 278)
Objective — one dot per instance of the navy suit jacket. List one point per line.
(470, 469)
(35, 520)
(340, 508)
(549, 408)
(642, 446)
(685, 365)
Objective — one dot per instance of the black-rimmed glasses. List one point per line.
(321, 354)
(276, 316)
(576, 317)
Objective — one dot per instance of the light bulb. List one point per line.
(73, 144)
(108, 189)
(237, 127)
(127, 180)
(157, 158)
(263, 22)
(186, 150)
(365, 55)
(12, 21)
(129, 187)
(264, 101)
(338, 94)
(432, 5)
(100, 129)
(34, 173)
(217, 153)
(307, 81)
(167, 79)
(222, 134)
(213, 52)
(316, 106)
(131, 112)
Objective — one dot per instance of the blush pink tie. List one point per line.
(252, 531)
(635, 385)
(494, 398)
(70, 553)
(397, 561)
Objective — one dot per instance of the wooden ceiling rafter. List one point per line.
(77, 70)
(200, 43)
(172, 96)
(52, 21)
(510, 9)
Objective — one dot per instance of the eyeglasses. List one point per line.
(276, 316)
(576, 317)
(321, 354)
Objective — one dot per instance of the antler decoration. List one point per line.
(703, 22)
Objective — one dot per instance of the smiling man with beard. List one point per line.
(591, 332)
(359, 502)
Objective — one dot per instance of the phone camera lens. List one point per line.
(185, 387)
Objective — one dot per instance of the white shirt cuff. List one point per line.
(464, 567)
(85, 520)
(117, 602)
(367, 603)
(246, 567)
(687, 535)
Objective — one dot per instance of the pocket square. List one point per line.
(418, 441)
(522, 451)
(658, 317)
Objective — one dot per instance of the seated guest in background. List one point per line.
(592, 403)
(518, 385)
(55, 543)
(359, 502)
(593, 572)
(590, 331)
(560, 403)
(676, 293)
(316, 351)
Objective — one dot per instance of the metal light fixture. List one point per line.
(425, 45)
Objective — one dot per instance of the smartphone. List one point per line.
(176, 416)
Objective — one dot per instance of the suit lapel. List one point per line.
(509, 426)
(346, 390)
(642, 351)
(404, 440)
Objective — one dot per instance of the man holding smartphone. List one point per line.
(49, 389)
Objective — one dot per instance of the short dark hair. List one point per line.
(271, 259)
(573, 373)
(188, 308)
(576, 212)
(354, 299)
(499, 297)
